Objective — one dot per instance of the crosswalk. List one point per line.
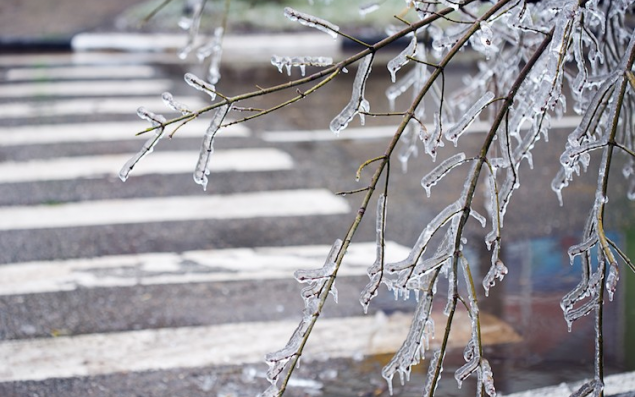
(192, 299)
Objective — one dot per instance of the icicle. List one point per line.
(435, 140)
(400, 60)
(479, 218)
(440, 171)
(357, 102)
(454, 132)
(488, 378)
(158, 122)
(452, 284)
(311, 21)
(191, 23)
(301, 62)
(408, 147)
(612, 279)
(200, 85)
(207, 146)
(498, 270)
(169, 101)
(213, 72)
(375, 271)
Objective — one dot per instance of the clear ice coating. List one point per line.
(357, 103)
(169, 101)
(487, 378)
(411, 351)
(215, 54)
(200, 84)
(375, 270)
(440, 171)
(311, 21)
(158, 122)
(453, 133)
(611, 280)
(300, 62)
(191, 22)
(498, 270)
(207, 146)
(400, 60)
(312, 294)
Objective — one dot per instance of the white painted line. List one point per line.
(87, 58)
(235, 206)
(261, 263)
(106, 131)
(80, 72)
(226, 344)
(70, 107)
(368, 133)
(241, 160)
(85, 88)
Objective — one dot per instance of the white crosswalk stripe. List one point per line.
(241, 160)
(106, 131)
(84, 88)
(226, 344)
(81, 72)
(89, 106)
(261, 263)
(186, 208)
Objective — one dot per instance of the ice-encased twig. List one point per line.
(412, 350)
(487, 378)
(456, 130)
(402, 58)
(158, 122)
(213, 72)
(498, 270)
(375, 272)
(301, 62)
(311, 21)
(200, 85)
(586, 245)
(428, 391)
(170, 102)
(581, 311)
(594, 386)
(440, 171)
(357, 102)
(417, 250)
(469, 367)
(317, 279)
(207, 146)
